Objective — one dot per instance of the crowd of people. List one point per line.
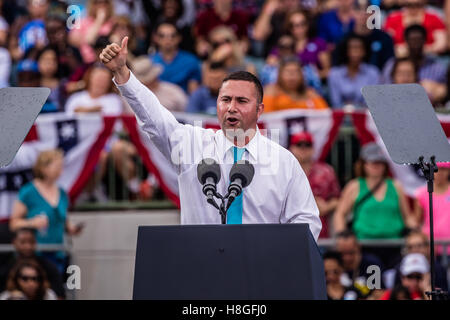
(309, 54)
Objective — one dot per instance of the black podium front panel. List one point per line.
(263, 261)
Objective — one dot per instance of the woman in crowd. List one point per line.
(404, 71)
(334, 269)
(42, 205)
(99, 22)
(346, 80)
(27, 281)
(379, 205)
(310, 50)
(415, 12)
(441, 206)
(290, 91)
(99, 97)
(47, 60)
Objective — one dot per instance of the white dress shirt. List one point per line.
(279, 193)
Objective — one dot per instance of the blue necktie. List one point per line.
(234, 214)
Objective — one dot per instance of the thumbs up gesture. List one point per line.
(114, 57)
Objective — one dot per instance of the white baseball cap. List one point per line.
(414, 263)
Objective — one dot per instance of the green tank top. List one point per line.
(375, 219)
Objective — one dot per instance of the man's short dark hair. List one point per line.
(333, 255)
(346, 234)
(247, 76)
(415, 28)
(23, 230)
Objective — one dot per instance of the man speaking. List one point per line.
(279, 191)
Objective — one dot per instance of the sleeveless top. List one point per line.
(375, 219)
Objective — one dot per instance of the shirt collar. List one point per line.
(224, 144)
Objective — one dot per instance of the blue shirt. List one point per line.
(37, 205)
(180, 70)
(347, 90)
(331, 29)
(202, 101)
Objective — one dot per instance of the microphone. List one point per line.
(208, 174)
(241, 176)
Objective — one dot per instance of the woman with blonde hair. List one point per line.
(42, 205)
(99, 22)
(27, 281)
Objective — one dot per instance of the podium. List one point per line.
(228, 262)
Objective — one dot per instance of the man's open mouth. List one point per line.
(232, 121)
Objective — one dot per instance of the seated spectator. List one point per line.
(172, 11)
(98, 97)
(345, 81)
(28, 31)
(381, 47)
(335, 24)
(24, 241)
(99, 22)
(431, 73)
(180, 67)
(28, 74)
(47, 60)
(334, 269)
(379, 205)
(170, 95)
(414, 270)
(221, 14)
(441, 206)
(290, 91)
(415, 12)
(321, 177)
(417, 242)
(42, 205)
(356, 262)
(27, 281)
(226, 49)
(69, 57)
(204, 99)
(404, 71)
(310, 50)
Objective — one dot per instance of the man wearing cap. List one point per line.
(414, 269)
(279, 191)
(170, 95)
(321, 177)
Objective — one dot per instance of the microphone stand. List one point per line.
(222, 208)
(428, 170)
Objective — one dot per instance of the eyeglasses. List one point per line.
(215, 45)
(415, 276)
(416, 5)
(29, 278)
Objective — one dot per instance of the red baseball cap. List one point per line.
(443, 165)
(302, 136)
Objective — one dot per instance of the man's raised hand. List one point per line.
(114, 57)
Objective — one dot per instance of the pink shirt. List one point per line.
(441, 214)
(87, 52)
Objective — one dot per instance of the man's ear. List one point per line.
(260, 109)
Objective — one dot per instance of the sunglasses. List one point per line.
(415, 276)
(215, 45)
(29, 278)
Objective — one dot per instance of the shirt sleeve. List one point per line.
(333, 83)
(154, 119)
(300, 206)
